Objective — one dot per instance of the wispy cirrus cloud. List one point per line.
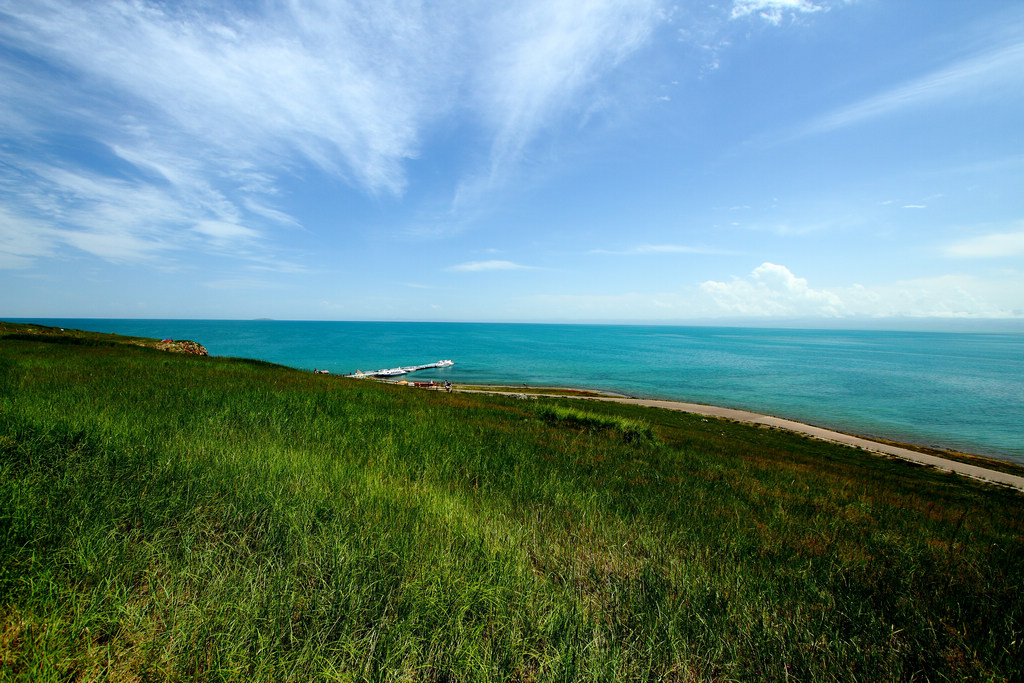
(549, 53)
(655, 249)
(990, 73)
(350, 87)
(184, 116)
(317, 79)
(544, 60)
(116, 219)
(711, 28)
(23, 240)
(480, 266)
(218, 100)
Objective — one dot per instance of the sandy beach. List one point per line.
(965, 469)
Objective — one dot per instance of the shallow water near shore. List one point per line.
(962, 391)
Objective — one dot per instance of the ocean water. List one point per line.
(953, 390)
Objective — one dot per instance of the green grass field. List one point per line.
(175, 517)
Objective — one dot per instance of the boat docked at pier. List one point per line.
(399, 371)
(394, 372)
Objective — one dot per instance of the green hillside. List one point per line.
(170, 516)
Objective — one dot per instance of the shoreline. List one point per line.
(880, 447)
(976, 472)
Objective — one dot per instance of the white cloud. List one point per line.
(773, 10)
(477, 266)
(772, 291)
(997, 245)
(997, 295)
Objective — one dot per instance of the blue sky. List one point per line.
(832, 161)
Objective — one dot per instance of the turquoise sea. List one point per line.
(953, 390)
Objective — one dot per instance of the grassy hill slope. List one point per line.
(173, 516)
